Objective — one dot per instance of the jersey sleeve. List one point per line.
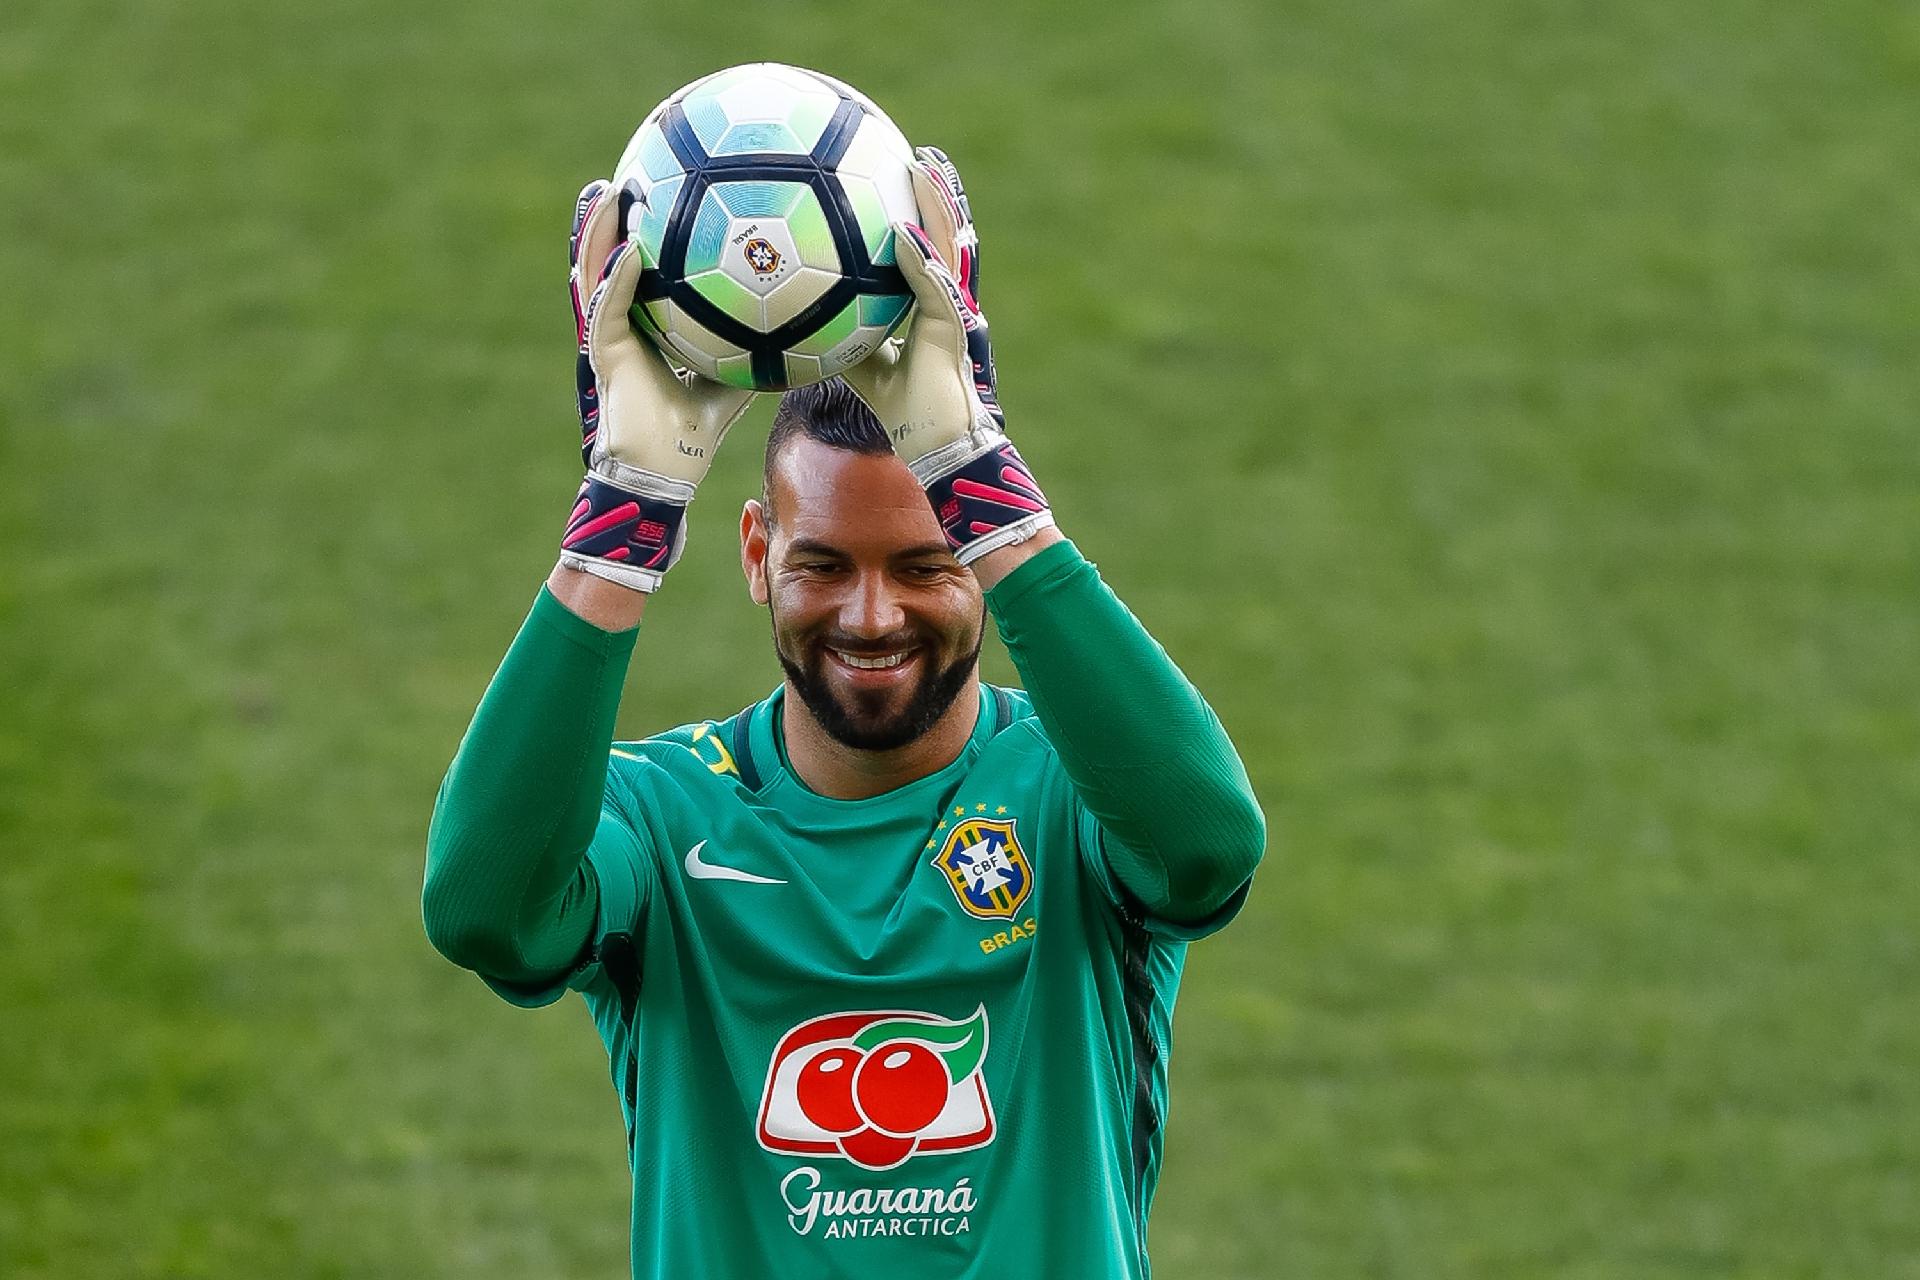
(622, 878)
(1171, 829)
(534, 854)
(1099, 868)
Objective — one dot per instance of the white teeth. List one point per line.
(871, 664)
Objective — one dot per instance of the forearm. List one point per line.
(607, 605)
(1145, 752)
(507, 890)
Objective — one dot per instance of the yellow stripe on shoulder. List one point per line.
(624, 755)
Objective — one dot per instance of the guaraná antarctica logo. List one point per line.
(878, 1087)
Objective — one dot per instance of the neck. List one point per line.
(833, 769)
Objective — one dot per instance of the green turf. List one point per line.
(1506, 412)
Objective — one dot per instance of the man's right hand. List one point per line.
(648, 433)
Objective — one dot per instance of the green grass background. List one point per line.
(1504, 411)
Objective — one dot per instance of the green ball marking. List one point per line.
(832, 333)
(884, 310)
(807, 224)
(728, 294)
(736, 371)
(809, 118)
(871, 215)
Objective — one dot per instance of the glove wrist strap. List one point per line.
(987, 501)
(623, 536)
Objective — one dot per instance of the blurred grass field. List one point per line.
(1525, 394)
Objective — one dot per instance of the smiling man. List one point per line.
(885, 965)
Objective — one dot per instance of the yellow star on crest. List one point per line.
(1000, 809)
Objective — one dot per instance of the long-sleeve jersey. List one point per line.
(929, 1028)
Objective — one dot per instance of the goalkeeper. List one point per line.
(885, 964)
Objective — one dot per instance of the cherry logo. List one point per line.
(878, 1087)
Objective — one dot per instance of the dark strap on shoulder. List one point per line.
(743, 752)
(1002, 708)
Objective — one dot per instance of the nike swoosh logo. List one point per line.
(703, 870)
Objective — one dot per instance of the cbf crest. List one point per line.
(983, 861)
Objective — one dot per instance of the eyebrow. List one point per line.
(813, 546)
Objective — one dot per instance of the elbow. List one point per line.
(1222, 861)
(457, 924)
(451, 928)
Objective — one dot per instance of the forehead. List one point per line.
(857, 502)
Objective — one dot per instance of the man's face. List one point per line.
(876, 624)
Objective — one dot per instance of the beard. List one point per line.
(871, 728)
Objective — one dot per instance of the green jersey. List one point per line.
(924, 1030)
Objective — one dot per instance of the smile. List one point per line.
(866, 663)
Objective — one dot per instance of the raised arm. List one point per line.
(510, 892)
(1181, 829)
(524, 823)
(1148, 756)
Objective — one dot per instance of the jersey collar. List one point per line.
(769, 756)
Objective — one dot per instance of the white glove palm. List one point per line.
(934, 391)
(648, 433)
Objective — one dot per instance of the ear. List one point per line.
(754, 533)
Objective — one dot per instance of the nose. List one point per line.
(871, 609)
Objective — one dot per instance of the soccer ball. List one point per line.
(761, 199)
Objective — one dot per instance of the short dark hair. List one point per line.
(828, 412)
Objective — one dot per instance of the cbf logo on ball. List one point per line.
(878, 1087)
(762, 256)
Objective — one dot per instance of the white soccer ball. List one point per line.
(761, 199)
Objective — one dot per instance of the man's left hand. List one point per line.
(934, 391)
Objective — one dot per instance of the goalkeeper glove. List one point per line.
(934, 391)
(648, 432)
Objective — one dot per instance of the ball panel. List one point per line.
(797, 294)
(809, 116)
(758, 136)
(768, 95)
(712, 85)
(759, 255)
(852, 349)
(689, 343)
(802, 370)
(708, 121)
(812, 237)
(895, 185)
(761, 199)
(732, 297)
(884, 310)
(656, 158)
(708, 236)
(868, 211)
(650, 317)
(647, 223)
(877, 147)
(735, 371)
(831, 334)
